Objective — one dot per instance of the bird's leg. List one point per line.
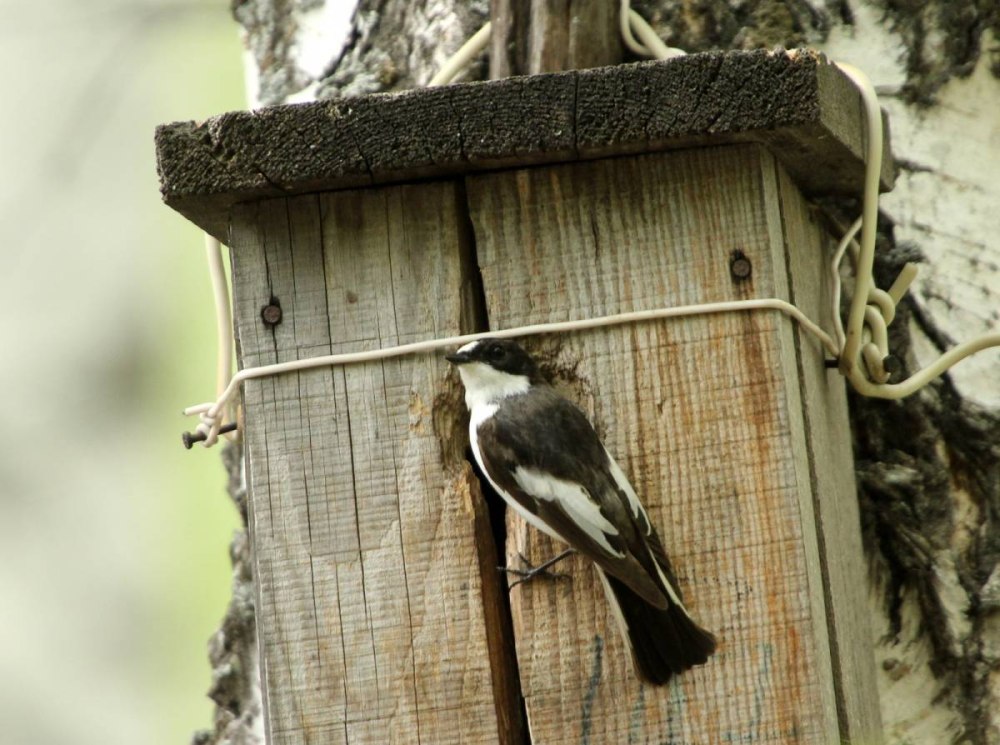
(542, 570)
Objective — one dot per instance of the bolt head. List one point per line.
(739, 265)
(271, 314)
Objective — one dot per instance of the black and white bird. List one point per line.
(541, 454)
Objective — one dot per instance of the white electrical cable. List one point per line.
(223, 315)
(922, 377)
(869, 217)
(210, 420)
(872, 309)
(861, 348)
(649, 44)
(625, 29)
(651, 39)
(838, 323)
(466, 53)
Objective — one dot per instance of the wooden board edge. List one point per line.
(207, 168)
(831, 467)
(799, 427)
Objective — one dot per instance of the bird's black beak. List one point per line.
(458, 358)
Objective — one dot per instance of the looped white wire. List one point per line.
(210, 424)
(630, 23)
(861, 349)
(864, 345)
(651, 45)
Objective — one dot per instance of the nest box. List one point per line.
(394, 218)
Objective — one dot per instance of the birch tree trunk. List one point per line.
(928, 468)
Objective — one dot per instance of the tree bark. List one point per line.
(232, 650)
(928, 468)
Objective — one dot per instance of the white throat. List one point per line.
(486, 386)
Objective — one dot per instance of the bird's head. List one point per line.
(493, 369)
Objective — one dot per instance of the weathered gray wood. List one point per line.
(796, 103)
(594, 34)
(509, 31)
(539, 36)
(375, 609)
(707, 416)
(828, 438)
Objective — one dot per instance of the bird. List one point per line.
(541, 454)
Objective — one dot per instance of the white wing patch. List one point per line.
(619, 476)
(670, 588)
(574, 500)
(479, 415)
(637, 510)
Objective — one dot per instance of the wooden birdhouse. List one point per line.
(388, 219)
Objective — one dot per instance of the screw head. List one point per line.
(271, 314)
(740, 267)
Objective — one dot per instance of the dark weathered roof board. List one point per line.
(804, 109)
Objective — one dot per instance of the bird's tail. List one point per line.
(663, 641)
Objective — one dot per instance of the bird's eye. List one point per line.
(496, 352)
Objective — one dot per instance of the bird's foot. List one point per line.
(542, 570)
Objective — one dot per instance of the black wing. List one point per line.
(543, 452)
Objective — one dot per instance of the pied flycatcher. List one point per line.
(541, 454)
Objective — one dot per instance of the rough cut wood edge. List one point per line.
(796, 103)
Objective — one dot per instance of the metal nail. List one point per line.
(190, 438)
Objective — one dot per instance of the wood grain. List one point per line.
(705, 414)
(376, 624)
(540, 36)
(828, 438)
(797, 104)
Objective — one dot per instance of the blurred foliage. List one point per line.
(114, 540)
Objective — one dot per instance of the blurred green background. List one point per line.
(114, 567)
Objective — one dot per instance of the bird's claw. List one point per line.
(542, 570)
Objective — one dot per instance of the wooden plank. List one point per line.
(539, 36)
(705, 415)
(509, 25)
(836, 506)
(375, 606)
(799, 105)
(594, 34)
